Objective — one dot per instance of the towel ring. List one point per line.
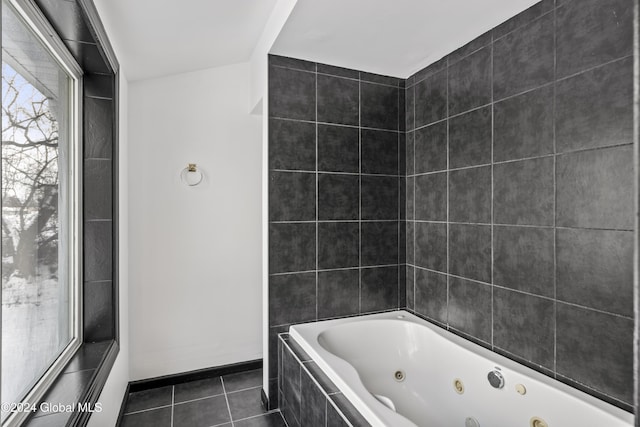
(191, 176)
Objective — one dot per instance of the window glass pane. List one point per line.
(36, 313)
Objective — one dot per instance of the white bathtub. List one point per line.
(362, 354)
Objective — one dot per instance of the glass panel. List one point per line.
(36, 285)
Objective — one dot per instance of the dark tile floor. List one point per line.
(230, 401)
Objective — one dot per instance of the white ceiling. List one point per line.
(391, 37)
(162, 37)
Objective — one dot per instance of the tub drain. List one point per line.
(399, 376)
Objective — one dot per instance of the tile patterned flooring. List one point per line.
(231, 401)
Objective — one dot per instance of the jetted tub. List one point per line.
(401, 371)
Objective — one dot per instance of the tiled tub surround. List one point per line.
(363, 354)
(520, 193)
(307, 396)
(336, 195)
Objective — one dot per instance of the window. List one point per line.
(40, 207)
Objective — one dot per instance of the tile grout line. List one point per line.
(226, 399)
(492, 185)
(173, 402)
(398, 203)
(543, 156)
(317, 189)
(519, 291)
(448, 195)
(360, 195)
(413, 159)
(555, 195)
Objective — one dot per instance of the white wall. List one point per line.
(195, 254)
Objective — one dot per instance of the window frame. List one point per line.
(42, 29)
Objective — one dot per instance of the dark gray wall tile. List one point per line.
(470, 82)
(431, 197)
(470, 308)
(402, 154)
(292, 247)
(410, 287)
(402, 120)
(90, 56)
(338, 293)
(97, 250)
(323, 380)
(410, 160)
(379, 152)
(402, 288)
(595, 269)
(97, 189)
(334, 418)
(523, 125)
(593, 189)
(290, 383)
(292, 298)
(379, 78)
(475, 44)
(410, 108)
(470, 195)
(68, 20)
(524, 325)
(338, 197)
(595, 349)
(338, 100)
(292, 196)
(594, 109)
(524, 259)
(99, 323)
(379, 243)
(292, 94)
(338, 71)
(98, 85)
(98, 128)
(523, 18)
(379, 288)
(431, 99)
(431, 295)
(312, 403)
(338, 149)
(524, 59)
(292, 145)
(378, 106)
(430, 148)
(470, 251)
(338, 244)
(523, 192)
(410, 238)
(592, 32)
(294, 63)
(410, 198)
(379, 197)
(431, 245)
(470, 139)
(431, 70)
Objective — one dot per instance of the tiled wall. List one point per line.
(520, 192)
(307, 396)
(336, 155)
